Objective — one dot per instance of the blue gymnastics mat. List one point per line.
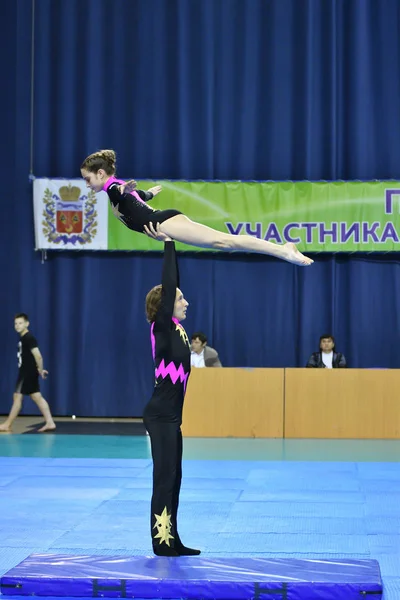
(190, 578)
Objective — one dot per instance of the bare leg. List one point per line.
(45, 410)
(182, 229)
(15, 410)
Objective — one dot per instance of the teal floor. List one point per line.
(284, 498)
(110, 446)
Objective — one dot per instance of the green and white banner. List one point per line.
(320, 217)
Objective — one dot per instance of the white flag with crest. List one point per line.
(69, 216)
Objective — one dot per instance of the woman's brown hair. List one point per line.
(103, 159)
(153, 301)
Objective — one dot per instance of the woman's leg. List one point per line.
(178, 472)
(165, 451)
(182, 229)
(183, 550)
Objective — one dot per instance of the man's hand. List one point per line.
(43, 373)
(156, 234)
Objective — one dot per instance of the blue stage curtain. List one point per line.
(194, 89)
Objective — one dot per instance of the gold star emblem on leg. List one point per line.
(163, 526)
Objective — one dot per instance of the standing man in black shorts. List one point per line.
(30, 363)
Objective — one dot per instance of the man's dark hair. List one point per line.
(21, 316)
(199, 335)
(327, 336)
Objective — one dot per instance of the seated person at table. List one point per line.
(327, 357)
(203, 355)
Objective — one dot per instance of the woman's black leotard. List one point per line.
(163, 413)
(131, 208)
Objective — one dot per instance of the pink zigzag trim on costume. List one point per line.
(121, 181)
(173, 372)
(110, 181)
(138, 198)
(153, 341)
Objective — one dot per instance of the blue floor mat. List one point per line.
(235, 508)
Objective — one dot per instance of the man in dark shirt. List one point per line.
(30, 365)
(327, 357)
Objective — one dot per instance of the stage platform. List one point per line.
(193, 578)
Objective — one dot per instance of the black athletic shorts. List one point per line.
(139, 218)
(27, 384)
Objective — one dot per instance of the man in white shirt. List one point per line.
(327, 357)
(202, 355)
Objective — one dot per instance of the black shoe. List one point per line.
(165, 551)
(183, 551)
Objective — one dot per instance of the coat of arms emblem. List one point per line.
(69, 217)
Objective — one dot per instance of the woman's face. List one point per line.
(180, 306)
(95, 181)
